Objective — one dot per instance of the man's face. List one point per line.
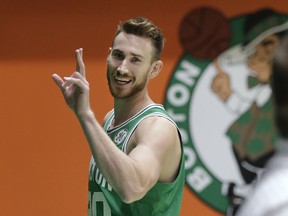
(129, 65)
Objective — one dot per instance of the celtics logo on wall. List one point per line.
(219, 95)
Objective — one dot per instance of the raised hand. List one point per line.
(221, 83)
(75, 88)
(221, 86)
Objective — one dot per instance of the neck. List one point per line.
(128, 107)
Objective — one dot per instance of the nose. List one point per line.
(122, 68)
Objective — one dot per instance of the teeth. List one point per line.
(122, 79)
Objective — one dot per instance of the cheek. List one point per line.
(142, 77)
(110, 69)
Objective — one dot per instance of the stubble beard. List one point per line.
(121, 94)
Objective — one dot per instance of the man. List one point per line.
(270, 196)
(137, 165)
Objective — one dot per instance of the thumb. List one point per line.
(58, 80)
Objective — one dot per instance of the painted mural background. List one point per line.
(220, 97)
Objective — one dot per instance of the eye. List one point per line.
(267, 43)
(118, 55)
(136, 60)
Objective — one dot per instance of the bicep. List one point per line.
(147, 162)
(157, 144)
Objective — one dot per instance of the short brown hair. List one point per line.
(143, 27)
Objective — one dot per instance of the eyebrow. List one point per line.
(133, 54)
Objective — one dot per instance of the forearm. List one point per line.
(117, 168)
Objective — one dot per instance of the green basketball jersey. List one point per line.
(163, 199)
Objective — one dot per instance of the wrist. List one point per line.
(85, 115)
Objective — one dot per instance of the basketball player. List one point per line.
(137, 164)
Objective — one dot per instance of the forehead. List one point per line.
(129, 43)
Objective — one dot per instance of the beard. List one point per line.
(125, 90)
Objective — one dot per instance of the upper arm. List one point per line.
(157, 149)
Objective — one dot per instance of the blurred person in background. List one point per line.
(270, 195)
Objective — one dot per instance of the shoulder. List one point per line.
(155, 131)
(106, 117)
(158, 133)
(157, 124)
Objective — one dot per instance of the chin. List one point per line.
(119, 95)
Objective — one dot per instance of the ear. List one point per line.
(109, 53)
(156, 68)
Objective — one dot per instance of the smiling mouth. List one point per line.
(122, 80)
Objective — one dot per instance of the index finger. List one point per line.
(80, 67)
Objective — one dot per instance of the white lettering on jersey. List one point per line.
(95, 175)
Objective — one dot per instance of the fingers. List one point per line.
(76, 79)
(80, 67)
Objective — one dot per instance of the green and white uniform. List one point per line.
(162, 199)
